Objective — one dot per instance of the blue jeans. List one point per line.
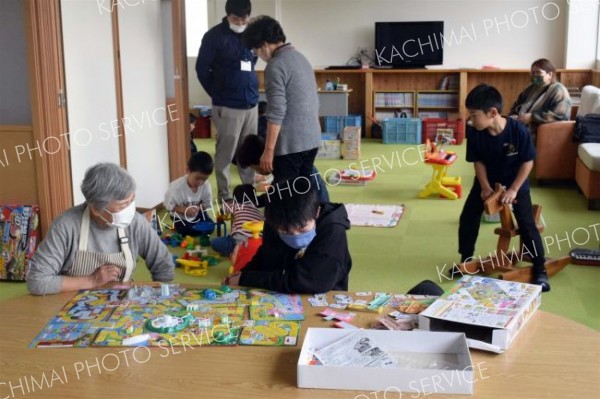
(186, 228)
(223, 245)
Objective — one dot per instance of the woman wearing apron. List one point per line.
(98, 241)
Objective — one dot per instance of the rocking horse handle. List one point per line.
(493, 204)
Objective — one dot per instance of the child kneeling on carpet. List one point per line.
(305, 248)
(189, 197)
(243, 210)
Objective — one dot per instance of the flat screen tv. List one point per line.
(409, 44)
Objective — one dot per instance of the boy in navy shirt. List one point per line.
(502, 151)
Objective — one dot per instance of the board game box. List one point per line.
(169, 315)
(19, 230)
(490, 312)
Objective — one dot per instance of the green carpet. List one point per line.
(425, 240)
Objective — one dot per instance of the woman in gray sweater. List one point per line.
(293, 129)
(98, 241)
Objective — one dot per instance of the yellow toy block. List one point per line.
(194, 267)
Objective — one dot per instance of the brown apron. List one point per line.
(87, 262)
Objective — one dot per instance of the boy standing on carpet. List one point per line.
(502, 151)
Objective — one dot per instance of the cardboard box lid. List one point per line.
(452, 380)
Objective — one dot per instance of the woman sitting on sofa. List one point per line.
(544, 100)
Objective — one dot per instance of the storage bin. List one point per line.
(336, 124)
(401, 131)
(431, 126)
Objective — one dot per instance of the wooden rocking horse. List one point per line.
(506, 259)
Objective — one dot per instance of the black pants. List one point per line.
(470, 219)
(426, 287)
(290, 166)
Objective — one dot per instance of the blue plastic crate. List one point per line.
(330, 136)
(336, 124)
(401, 131)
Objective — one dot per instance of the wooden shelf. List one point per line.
(434, 107)
(365, 83)
(394, 106)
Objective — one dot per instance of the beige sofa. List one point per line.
(559, 158)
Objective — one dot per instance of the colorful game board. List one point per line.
(275, 306)
(121, 317)
(271, 333)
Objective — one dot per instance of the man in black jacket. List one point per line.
(225, 69)
(305, 248)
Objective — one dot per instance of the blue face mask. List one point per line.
(298, 241)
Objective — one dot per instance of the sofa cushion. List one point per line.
(589, 153)
(590, 101)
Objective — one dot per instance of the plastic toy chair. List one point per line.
(440, 161)
(244, 253)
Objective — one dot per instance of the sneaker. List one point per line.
(541, 278)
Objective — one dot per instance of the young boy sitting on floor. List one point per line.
(305, 248)
(243, 210)
(189, 197)
(502, 151)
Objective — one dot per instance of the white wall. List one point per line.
(90, 82)
(582, 34)
(508, 34)
(144, 97)
(504, 33)
(15, 107)
(91, 93)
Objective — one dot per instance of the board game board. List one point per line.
(275, 306)
(124, 316)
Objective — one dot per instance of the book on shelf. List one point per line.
(433, 114)
(449, 82)
(393, 99)
(449, 100)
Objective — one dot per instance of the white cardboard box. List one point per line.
(445, 347)
(490, 312)
(330, 149)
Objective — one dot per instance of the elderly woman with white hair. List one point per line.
(98, 241)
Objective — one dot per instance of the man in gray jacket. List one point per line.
(293, 130)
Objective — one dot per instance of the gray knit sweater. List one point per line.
(292, 101)
(56, 253)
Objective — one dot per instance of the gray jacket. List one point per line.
(56, 253)
(292, 101)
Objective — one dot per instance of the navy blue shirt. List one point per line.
(219, 68)
(503, 154)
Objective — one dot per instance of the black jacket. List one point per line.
(219, 68)
(324, 266)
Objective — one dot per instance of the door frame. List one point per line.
(43, 36)
(179, 127)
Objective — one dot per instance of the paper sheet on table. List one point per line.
(374, 215)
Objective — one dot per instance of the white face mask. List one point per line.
(237, 28)
(122, 218)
